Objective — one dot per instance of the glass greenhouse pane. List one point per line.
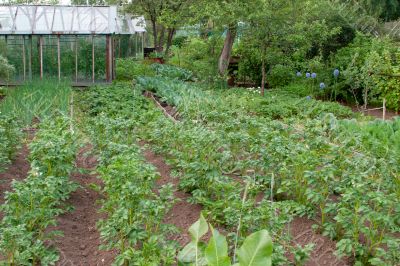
(37, 19)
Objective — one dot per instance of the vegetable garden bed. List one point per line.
(321, 186)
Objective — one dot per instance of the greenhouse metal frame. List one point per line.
(79, 42)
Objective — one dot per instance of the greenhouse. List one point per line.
(77, 43)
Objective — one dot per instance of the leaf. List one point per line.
(188, 253)
(216, 252)
(198, 229)
(256, 250)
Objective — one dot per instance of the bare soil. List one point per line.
(323, 252)
(371, 111)
(81, 241)
(183, 214)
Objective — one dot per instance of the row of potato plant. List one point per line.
(312, 161)
(10, 139)
(34, 203)
(134, 205)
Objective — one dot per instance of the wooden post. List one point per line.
(76, 58)
(142, 45)
(114, 55)
(108, 73)
(384, 109)
(5, 52)
(136, 45)
(30, 57)
(93, 58)
(41, 55)
(119, 46)
(23, 56)
(58, 58)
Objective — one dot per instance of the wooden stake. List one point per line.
(58, 58)
(384, 109)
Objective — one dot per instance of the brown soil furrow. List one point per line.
(324, 248)
(17, 170)
(81, 241)
(169, 111)
(183, 214)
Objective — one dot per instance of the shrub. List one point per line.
(280, 75)
(128, 69)
(6, 70)
(172, 72)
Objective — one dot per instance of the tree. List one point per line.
(285, 30)
(383, 9)
(164, 15)
(174, 15)
(226, 15)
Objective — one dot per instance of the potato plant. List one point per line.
(249, 170)
(33, 204)
(135, 207)
(10, 139)
(318, 162)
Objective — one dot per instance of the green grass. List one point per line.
(36, 99)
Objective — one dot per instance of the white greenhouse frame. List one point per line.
(24, 21)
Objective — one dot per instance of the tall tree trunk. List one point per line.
(225, 56)
(154, 26)
(161, 39)
(171, 33)
(263, 77)
(365, 98)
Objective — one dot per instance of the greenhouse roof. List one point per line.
(76, 20)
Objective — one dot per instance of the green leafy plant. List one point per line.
(129, 69)
(172, 72)
(256, 248)
(34, 203)
(37, 100)
(10, 138)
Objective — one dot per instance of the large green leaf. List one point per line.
(216, 252)
(188, 253)
(198, 229)
(256, 250)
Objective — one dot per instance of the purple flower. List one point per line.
(298, 73)
(336, 73)
(322, 86)
(308, 75)
(308, 97)
(314, 75)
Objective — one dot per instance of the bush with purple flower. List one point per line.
(314, 75)
(336, 73)
(308, 75)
